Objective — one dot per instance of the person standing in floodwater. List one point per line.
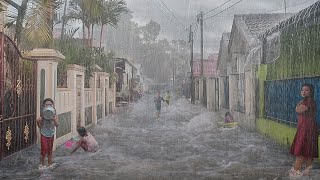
(47, 130)
(157, 102)
(305, 143)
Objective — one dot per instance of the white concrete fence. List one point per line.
(75, 104)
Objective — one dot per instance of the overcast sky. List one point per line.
(185, 12)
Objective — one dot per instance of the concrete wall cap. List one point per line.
(43, 54)
(102, 74)
(76, 67)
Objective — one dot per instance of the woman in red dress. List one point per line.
(305, 143)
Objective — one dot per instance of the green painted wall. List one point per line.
(299, 54)
(281, 133)
(261, 73)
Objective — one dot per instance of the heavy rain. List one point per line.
(159, 89)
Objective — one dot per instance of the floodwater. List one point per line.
(184, 143)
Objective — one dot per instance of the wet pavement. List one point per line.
(184, 143)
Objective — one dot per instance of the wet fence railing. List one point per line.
(282, 96)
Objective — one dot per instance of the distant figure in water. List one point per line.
(87, 141)
(167, 98)
(157, 102)
(228, 118)
(305, 143)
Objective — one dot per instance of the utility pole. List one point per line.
(191, 65)
(201, 86)
(285, 6)
(201, 41)
(173, 73)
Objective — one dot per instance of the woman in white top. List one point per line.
(87, 141)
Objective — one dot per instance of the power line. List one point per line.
(157, 4)
(165, 14)
(171, 12)
(223, 10)
(159, 10)
(217, 7)
(294, 5)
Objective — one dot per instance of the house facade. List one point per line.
(126, 72)
(223, 65)
(244, 53)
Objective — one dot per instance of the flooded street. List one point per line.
(71, 63)
(184, 143)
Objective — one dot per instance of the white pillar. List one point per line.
(94, 98)
(47, 62)
(74, 71)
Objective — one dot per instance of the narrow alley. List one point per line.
(184, 143)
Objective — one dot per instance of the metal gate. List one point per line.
(17, 99)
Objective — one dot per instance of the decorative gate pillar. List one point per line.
(47, 60)
(75, 83)
(103, 76)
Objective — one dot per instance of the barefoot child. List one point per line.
(87, 141)
(47, 128)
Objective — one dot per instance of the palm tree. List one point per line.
(111, 14)
(22, 9)
(38, 30)
(87, 11)
(63, 19)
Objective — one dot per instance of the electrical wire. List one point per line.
(171, 12)
(217, 7)
(224, 10)
(159, 10)
(294, 5)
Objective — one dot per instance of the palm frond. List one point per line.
(71, 32)
(38, 31)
